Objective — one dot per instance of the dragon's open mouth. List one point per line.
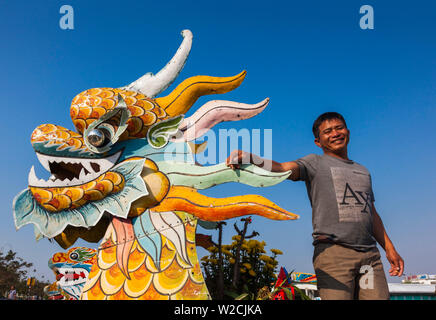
(71, 276)
(67, 171)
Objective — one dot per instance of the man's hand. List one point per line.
(397, 263)
(236, 158)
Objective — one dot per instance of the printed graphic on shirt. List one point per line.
(353, 193)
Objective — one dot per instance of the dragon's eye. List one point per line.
(98, 137)
(104, 132)
(74, 256)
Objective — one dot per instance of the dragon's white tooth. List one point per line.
(64, 160)
(73, 182)
(104, 164)
(82, 174)
(32, 179)
(44, 161)
(87, 165)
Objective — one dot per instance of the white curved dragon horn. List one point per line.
(151, 85)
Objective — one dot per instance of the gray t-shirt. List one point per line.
(340, 192)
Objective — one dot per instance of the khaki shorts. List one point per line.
(346, 274)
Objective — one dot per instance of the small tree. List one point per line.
(13, 272)
(242, 235)
(240, 267)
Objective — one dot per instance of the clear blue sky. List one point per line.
(307, 56)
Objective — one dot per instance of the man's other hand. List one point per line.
(397, 263)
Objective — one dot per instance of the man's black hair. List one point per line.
(326, 116)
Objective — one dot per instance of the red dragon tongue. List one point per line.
(69, 276)
(125, 236)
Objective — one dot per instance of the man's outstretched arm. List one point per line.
(238, 157)
(397, 263)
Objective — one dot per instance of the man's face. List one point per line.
(333, 136)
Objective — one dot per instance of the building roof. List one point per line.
(402, 288)
(308, 286)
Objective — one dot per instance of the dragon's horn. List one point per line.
(185, 94)
(151, 85)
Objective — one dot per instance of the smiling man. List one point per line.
(346, 225)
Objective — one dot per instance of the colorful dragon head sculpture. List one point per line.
(128, 175)
(71, 270)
